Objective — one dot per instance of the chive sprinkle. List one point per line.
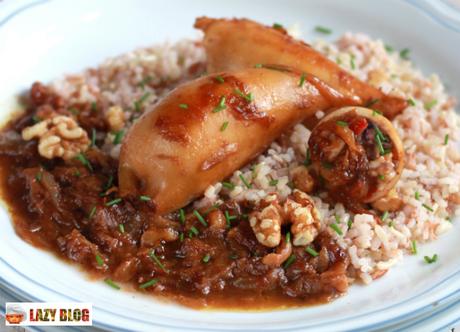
(384, 216)
(322, 29)
(138, 103)
(93, 106)
(184, 106)
(336, 228)
(118, 137)
(200, 218)
(431, 260)
(349, 223)
(391, 224)
(273, 182)
(388, 48)
(113, 202)
(36, 119)
(81, 158)
(112, 284)
(228, 218)
(258, 65)
(307, 161)
(429, 105)
(92, 212)
(414, 247)
(181, 237)
(288, 237)
(221, 106)
(206, 258)
(145, 81)
(219, 79)
(145, 198)
(312, 251)
(193, 231)
(248, 97)
(289, 261)
(182, 216)
(337, 218)
(352, 61)
(148, 284)
(372, 102)
(411, 101)
(446, 139)
(99, 260)
(233, 256)
(341, 123)
(38, 176)
(278, 26)
(228, 185)
(379, 133)
(302, 79)
(417, 195)
(224, 126)
(404, 53)
(245, 182)
(93, 137)
(156, 260)
(381, 177)
(376, 112)
(429, 208)
(379, 144)
(121, 228)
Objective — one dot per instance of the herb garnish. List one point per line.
(341, 123)
(322, 29)
(184, 106)
(121, 227)
(99, 260)
(414, 247)
(112, 284)
(417, 195)
(221, 106)
(311, 251)
(193, 231)
(93, 137)
(219, 79)
(273, 182)
(307, 161)
(145, 81)
(182, 216)
(206, 258)
(411, 101)
(200, 218)
(278, 26)
(388, 48)
(446, 139)
(92, 212)
(138, 103)
(118, 137)
(336, 228)
(248, 97)
(431, 260)
(352, 61)
(228, 185)
(38, 176)
(81, 158)
(113, 202)
(224, 126)
(384, 215)
(248, 185)
(429, 208)
(302, 79)
(379, 144)
(156, 260)
(404, 53)
(289, 261)
(429, 105)
(148, 283)
(145, 198)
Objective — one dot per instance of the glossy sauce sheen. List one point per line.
(173, 154)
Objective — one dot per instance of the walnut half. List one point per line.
(58, 137)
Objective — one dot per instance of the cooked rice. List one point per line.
(432, 167)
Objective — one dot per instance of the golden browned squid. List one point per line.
(206, 129)
(357, 154)
(233, 44)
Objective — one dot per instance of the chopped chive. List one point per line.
(404, 53)
(411, 101)
(379, 145)
(118, 137)
(391, 224)
(228, 185)
(429, 208)
(233, 256)
(289, 261)
(156, 260)
(388, 48)
(93, 137)
(221, 106)
(184, 106)
(193, 231)
(429, 105)
(381, 177)
(288, 237)
(228, 218)
(273, 182)
(376, 112)
(181, 237)
(384, 215)
(112, 284)
(352, 61)
(431, 260)
(302, 79)
(219, 79)
(145, 81)
(341, 123)
(93, 106)
(417, 195)
(372, 102)
(108, 184)
(312, 251)
(200, 218)
(446, 139)
(74, 111)
(278, 26)
(224, 126)
(148, 284)
(337, 218)
(113, 202)
(338, 61)
(414, 247)
(258, 65)
(182, 216)
(81, 158)
(336, 228)
(248, 97)
(36, 119)
(206, 258)
(92, 212)
(99, 260)
(245, 182)
(121, 228)
(322, 29)
(77, 173)
(307, 161)
(145, 198)
(349, 223)
(379, 133)
(138, 103)
(38, 176)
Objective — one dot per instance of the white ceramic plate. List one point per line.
(42, 40)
